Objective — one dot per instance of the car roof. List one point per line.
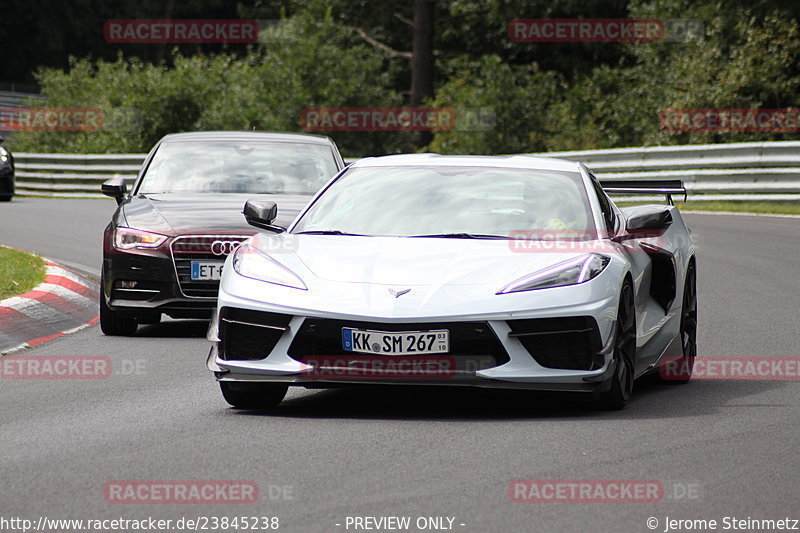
(531, 162)
(245, 136)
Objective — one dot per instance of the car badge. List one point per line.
(398, 294)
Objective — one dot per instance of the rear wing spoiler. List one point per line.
(665, 187)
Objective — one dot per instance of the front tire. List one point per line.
(621, 386)
(247, 395)
(148, 319)
(5, 198)
(113, 322)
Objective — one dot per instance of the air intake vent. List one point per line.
(570, 343)
(249, 335)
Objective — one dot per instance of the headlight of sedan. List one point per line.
(129, 238)
(250, 262)
(571, 272)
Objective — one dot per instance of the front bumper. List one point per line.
(518, 368)
(162, 277)
(156, 289)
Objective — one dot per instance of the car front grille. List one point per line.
(473, 345)
(188, 248)
(570, 343)
(249, 335)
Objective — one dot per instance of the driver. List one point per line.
(548, 208)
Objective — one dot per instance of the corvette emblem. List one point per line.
(398, 294)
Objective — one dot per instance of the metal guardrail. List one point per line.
(757, 170)
(71, 174)
(764, 170)
(9, 103)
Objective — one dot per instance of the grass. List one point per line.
(19, 271)
(736, 206)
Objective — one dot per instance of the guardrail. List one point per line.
(71, 174)
(759, 170)
(763, 171)
(9, 102)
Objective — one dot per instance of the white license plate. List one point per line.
(396, 342)
(202, 271)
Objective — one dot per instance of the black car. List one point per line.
(6, 174)
(167, 241)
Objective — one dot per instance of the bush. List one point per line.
(299, 63)
(512, 100)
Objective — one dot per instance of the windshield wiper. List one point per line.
(462, 236)
(327, 232)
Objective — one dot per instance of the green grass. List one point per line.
(736, 206)
(19, 271)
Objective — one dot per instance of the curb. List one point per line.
(64, 303)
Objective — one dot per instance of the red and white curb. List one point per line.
(64, 303)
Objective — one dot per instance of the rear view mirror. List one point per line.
(261, 214)
(115, 188)
(655, 218)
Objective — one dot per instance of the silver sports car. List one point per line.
(505, 272)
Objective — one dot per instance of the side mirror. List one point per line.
(115, 188)
(261, 214)
(2, 139)
(652, 218)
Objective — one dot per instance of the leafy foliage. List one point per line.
(512, 97)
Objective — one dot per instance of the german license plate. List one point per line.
(396, 342)
(203, 271)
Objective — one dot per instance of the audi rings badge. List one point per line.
(224, 247)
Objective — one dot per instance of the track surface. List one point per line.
(407, 452)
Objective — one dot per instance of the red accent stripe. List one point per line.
(36, 295)
(68, 307)
(9, 314)
(17, 327)
(42, 340)
(71, 285)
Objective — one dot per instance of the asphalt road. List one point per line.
(69, 232)
(721, 448)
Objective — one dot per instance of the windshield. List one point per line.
(238, 167)
(449, 201)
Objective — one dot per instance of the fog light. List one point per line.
(127, 284)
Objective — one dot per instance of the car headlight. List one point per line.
(129, 238)
(250, 262)
(571, 272)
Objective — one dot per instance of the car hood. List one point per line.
(176, 214)
(406, 261)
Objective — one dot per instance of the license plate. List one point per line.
(207, 271)
(396, 342)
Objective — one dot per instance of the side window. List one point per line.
(605, 204)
